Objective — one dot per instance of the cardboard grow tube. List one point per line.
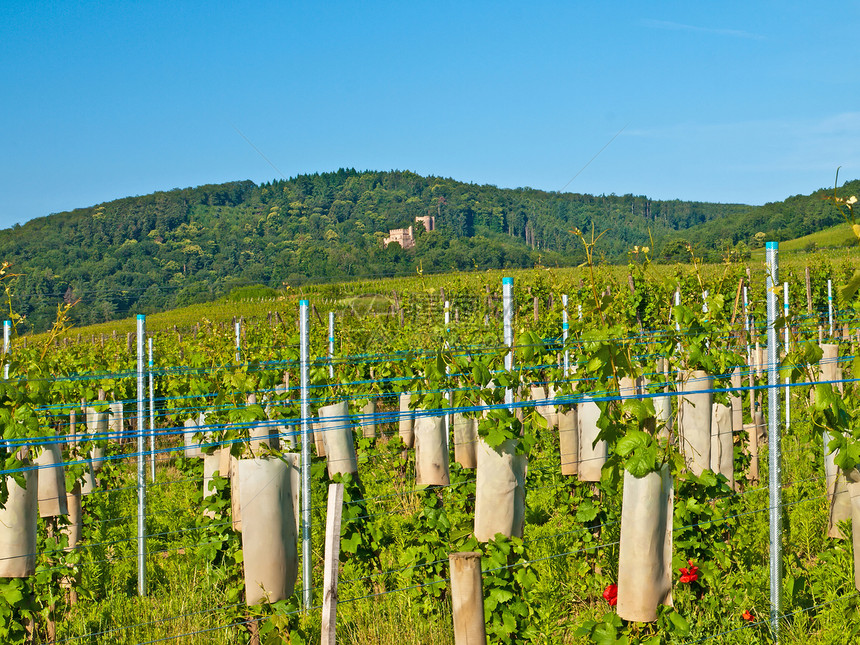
(752, 430)
(854, 492)
(722, 448)
(368, 420)
(829, 366)
(694, 421)
(279, 431)
(72, 531)
(592, 453)
(224, 464)
(18, 524)
(336, 431)
(840, 502)
(628, 387)
(828, 371)
(499, 491)
(662, 404)
(737, 402)
(263, 437)
(52, 481)
(467, 598)
(316, 435)
(116, 424)
(543, 404)
(465, 438)
(235, 499)
(645, 550)
(269, 536)
(75, 526)
(88, 485)
(830, 468)
(568, 441)
(407, 416)
(97, 424)
(192, 445)
(431, 451)
(211, 465)
(663, 414)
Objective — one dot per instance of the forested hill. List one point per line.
(777, 221)
(149, 253)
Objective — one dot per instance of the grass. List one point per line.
(837, 236)
(574, 558)
(184, 590)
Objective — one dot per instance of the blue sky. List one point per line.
(719, 101)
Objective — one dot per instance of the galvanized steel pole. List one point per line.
(331, 344)
(508, 316)
(565, 332)
(786, 341)
(747, 327)
(830, 306)
(238, 341)
(141, 459)
(7, 341)
(151, 414)
(307, 566)
(447, 417)
(775, 470)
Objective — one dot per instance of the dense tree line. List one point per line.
(149, 253)
(777, 221)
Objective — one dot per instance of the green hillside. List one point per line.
(796, 217)
(835, 236)
(185, 246)
(150, 253)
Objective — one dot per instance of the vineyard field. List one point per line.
(538, 401)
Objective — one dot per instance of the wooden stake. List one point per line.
(331, 564)
(73, 428)
(631, 284)
(467, 598)
(737, 301)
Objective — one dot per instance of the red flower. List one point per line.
(689, 574)
(610, 595)
(747, 615)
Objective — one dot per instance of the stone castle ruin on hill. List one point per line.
(404, 236)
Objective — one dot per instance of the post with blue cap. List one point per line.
(141, 459)
(307, 568)
(774, 467)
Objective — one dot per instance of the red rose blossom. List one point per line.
(610, 595)
(689, 574)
